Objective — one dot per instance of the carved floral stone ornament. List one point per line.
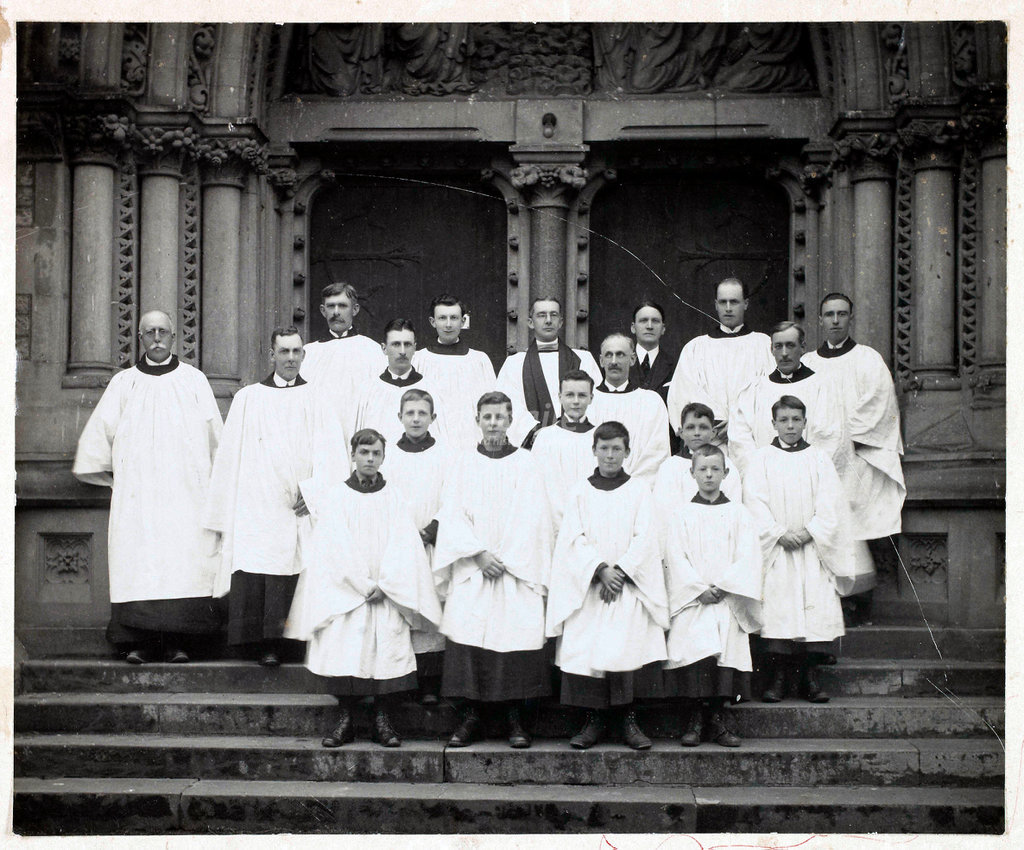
(220, 152)
(548, 176)
(66, 558)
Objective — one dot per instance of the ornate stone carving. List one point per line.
(284, 180)
(94, 135)
(548, 176)
(549, 59)
(23, 325)
(870, 152)
(964, 50)
(897, 70)
(127, 263)
(813, 177)
(765, 58)
(69, 53)
(25, 194)
(927, 558)
(218, 152)
(190, 257)
(983, 124)
(346, 59)
(967, 262)
(67, 558)
(661, 57)
(902, 338)
(430, 58)
(164, 147)
(921, 134)
(204, 42)
(134, 59)
(887, 568)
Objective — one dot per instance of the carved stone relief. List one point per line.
(127, 262)
(23, 325)
(897, 69)
(190, 259)
(204, 42)
(927, 558)
(25, 194)
(967, 265)
(134, 59)
(67, 558)
(904, 242)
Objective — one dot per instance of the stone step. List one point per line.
(890, 641)
(851, 676)
(765, 761)
(150, 806)
(313, 714)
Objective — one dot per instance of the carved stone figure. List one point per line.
(676, 57)
(431, 58)
(346, 59)
(763, 58)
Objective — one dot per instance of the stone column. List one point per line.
(94, 141)
(992, 255)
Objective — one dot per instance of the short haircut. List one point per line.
(290, 330)
(695, 408)
(494, 397)
(620, 335)
(398, 325)
(707, 450)
(791, 402)
(780, 327)
(833, 296)
(546, 298)
(339, 288)
(163, 313)
(416, 395)
(742, 285)
(610, 430)
(648, 303)
(367, 437)
(576, 375)
(446, 300)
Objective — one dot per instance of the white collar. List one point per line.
(398, 377)
(652, 354)
(620, 389)
(281, 382)
(151, 362)
(834, 347)
(345, 335)
(730, 331)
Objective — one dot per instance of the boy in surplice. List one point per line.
(675, 481)
(713, 573)
(607, 602)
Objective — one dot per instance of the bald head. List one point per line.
(618, 353)
(156, 331)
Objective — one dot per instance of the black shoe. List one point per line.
(590, 734)
(178, 656)
(137, 656)
(467, 731)
(632, 733)
(776, 691)
(270, 659)
(383, 732)
(694, 727)
(719, 732)
(518, 738)
(811, 687)
(343, 733)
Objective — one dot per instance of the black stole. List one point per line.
(535, 388)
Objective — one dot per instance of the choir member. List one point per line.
(532, 378)
(152, 439)
(607, 603)
(674, 482)
(713, 572)
(494, 558)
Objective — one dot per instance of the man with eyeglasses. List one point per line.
(152, 439)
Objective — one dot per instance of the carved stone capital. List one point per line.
(548, 184)
(39, 135)
(984, 125)
(868, 156)
(228, 160)
(162, 150)
(97, 139)
(937, 138)
(284, 180)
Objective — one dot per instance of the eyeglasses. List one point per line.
(156, 333)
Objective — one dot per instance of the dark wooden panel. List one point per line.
(401, 244)
(693, 229)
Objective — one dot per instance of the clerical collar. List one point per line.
(798, 446)
(545, 347)
(147, 367)
(721, 332)
(360, 486)
(460, 346)
(624, 388)
(613, 483)
(278, 383)
(827, 350)
(698, 499)
(496, 454)
(349, 331)
(579, 427)
(415, 446)
(410, 377)
(684, 452)
(800, 374)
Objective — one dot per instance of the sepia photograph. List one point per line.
(510, 428)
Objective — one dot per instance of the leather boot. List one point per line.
(810, 686)
(777, 690)
(344, 732)
(632, 733)
(591, 732)
(719, 732)
(694, 726)
(468, 729)
(518, 738)
(383, 732)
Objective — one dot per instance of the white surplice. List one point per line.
(152, 439)
(751, 426)
(379, 404)
(362, 540)
(644, 415)
(510, 382)
(704, 545)
(715, 369)
(418, 478)
(615, 527)
(565, 459)
(459, 380)
(675, 484)
(340, 369)
(873, 477)
(274, 438)
(787, 491)
(498, 505)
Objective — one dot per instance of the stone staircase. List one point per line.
(911, 742)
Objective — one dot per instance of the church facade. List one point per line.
(226, 172)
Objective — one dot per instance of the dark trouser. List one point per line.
(615, 689)
(258, 607)
(161, 625)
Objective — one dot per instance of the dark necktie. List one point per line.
(645, 366)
